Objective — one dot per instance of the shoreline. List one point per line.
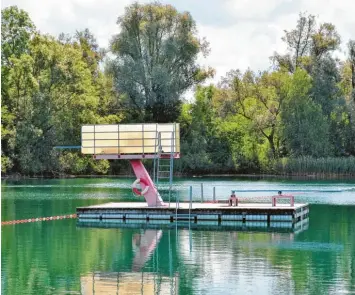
(304, 176)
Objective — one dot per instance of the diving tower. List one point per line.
(136, 142)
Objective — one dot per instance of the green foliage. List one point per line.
(78, 164)
(296, 118)
(16, 31)
(258, 99)
(52, 88)
(155, 60)
(204, 147)
(306, 130)
(6, 164)
(307, 43)
(351, 46)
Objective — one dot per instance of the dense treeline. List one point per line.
(298, 117)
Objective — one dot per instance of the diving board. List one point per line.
(135, 142)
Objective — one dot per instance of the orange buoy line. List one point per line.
(39, 219)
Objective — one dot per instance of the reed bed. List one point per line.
(310, 165)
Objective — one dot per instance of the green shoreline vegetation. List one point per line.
(296, 119)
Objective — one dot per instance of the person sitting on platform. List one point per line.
(233, 201)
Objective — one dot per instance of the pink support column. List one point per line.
(152, 196)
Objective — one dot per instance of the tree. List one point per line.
(92, 53)
(351, 47)
(324, 40)
(306, 44)
(109, 109)
(16, 31)
(328, 94)
(306, 130)
(325, 87)
(51, 90)
(348, 87)
(155, 60)
(204, 145)
(299, 43)
(257, 98)
(51, 94)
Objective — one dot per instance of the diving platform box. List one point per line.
(131, 141)
(199, 214)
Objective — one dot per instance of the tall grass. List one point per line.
(310, 165)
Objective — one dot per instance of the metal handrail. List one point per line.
(157, 145)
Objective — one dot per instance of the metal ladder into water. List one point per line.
(164, 167)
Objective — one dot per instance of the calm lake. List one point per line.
(62, 257)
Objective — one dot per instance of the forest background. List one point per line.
(297, 118)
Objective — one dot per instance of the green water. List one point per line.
(59, 257)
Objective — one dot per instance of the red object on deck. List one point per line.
(152, 196)
(290, 197)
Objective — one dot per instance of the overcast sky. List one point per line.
(241, 33)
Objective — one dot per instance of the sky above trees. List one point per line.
(241, 33)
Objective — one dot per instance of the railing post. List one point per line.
(190, 197)
(94, 140)
(214, 194)
(201, 192)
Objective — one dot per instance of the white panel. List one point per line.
(106, 128)
(87, 135)
(129, 138)
(105, 135)
(87, 128)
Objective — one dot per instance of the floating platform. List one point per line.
(254, 226)
(199, 214)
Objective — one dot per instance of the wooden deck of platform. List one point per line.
(199, 212)
(185, 205)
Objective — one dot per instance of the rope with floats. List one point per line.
(39, 219)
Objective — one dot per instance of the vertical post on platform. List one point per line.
(159, 153)
(118, 139)
(201, 192)
(143, 139)
(214, 194)
(190, 197)
(171, 166)
(155, 154)
(190, 238)
(176, 206)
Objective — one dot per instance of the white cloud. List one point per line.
(242, 33)
(259, 25)
(57, 16)
(251, 8)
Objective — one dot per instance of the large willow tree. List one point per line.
(156, 60)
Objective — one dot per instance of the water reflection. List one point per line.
(143, 245)
(100, 283)
(188, 261)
